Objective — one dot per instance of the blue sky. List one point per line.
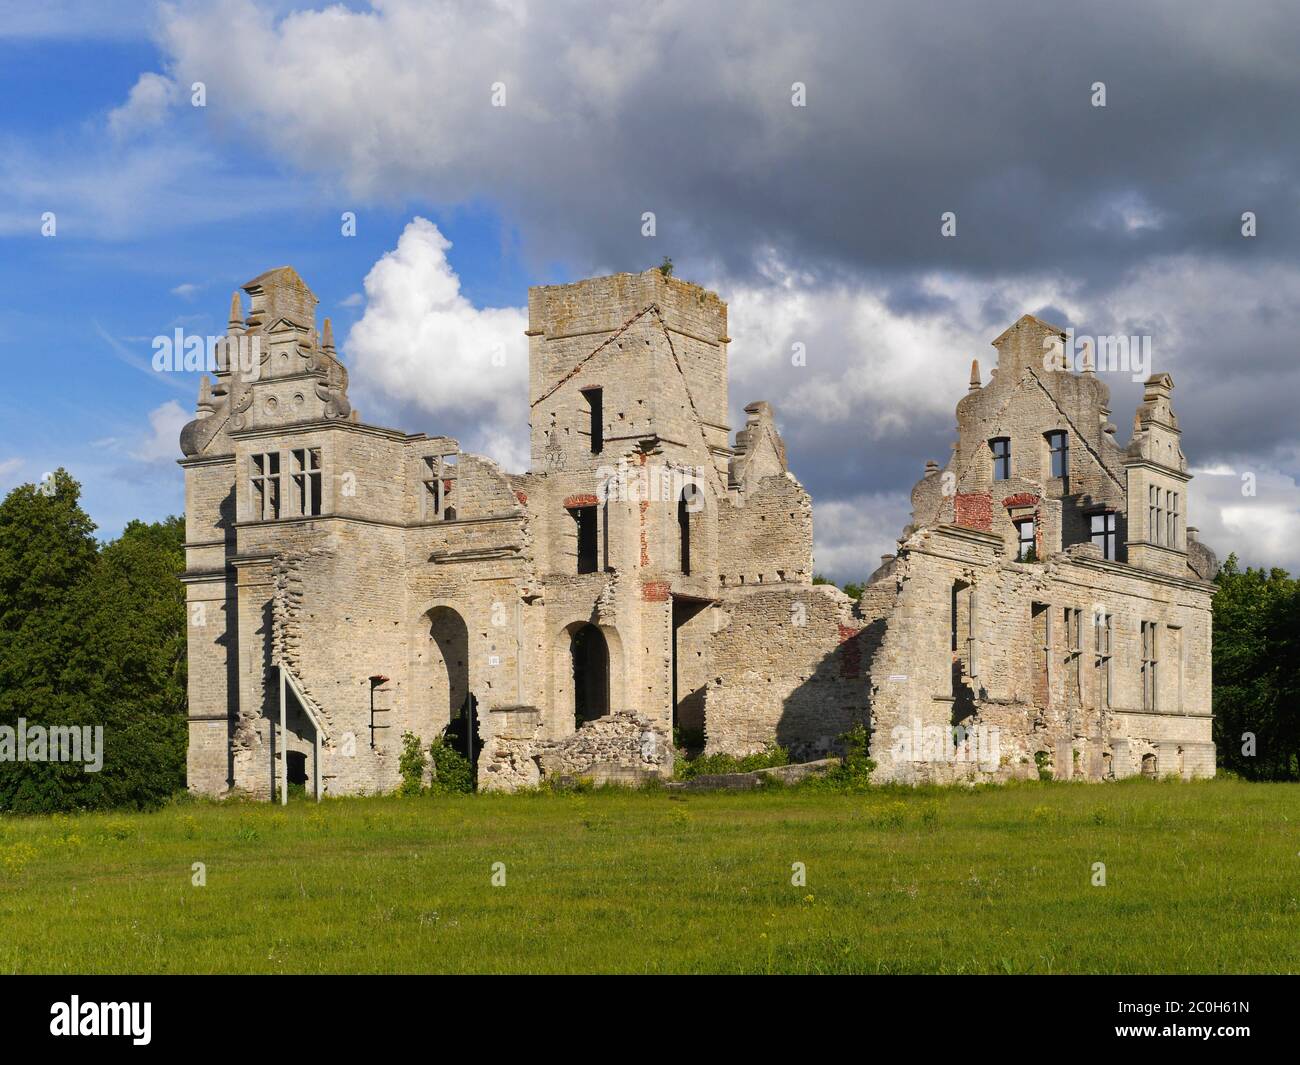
(76, 334)
(819, 225)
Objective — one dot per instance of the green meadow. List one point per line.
(1199, 878)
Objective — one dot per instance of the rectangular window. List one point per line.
(1155, 516)
(1104, 534)
(1102, 626)
(437, 480)
(1073, 655)
(585, 519)
(1041, 623)
(432, 489)
(306, 476)
(1001, 448)
(265, 483)
(1171, 519)
(595, 410)
(1058, 445)
(1025, 550)
(1149, 666)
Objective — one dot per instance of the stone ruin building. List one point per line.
(649, 580)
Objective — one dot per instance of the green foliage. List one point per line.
(724, 763)
(666, 267)
(1043, 760)
(854, 774)
(852, 589)
(410, 764)
(91, 636)
(452, 771)
(1257, 672)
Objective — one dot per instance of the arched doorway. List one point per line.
(449, 690)
(590, 657)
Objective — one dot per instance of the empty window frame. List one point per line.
(684, 528)
(1001, 448)
(1073, 655)
(1058, 448)
(306, 474)
(1171, 519)
(596, 415)
(1155, 515)
(265, 484)
(1150, 666)
(437, 480)
(1105, 534)
(1103, 633)
(1025, 544)
(585, 520)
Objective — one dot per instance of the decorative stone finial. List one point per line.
(974, 375)
(236, 312)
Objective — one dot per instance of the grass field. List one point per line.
(1201, 877)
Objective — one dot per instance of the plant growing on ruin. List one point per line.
(452, 771)
(1044, 762)
(411, 765)
(666, 267)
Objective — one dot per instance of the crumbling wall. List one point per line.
(621, 747)
(789, 667)
(768, 540)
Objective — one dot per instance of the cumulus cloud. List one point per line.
(1253, 511)
(421, 346)
(685, 109)
(146, 106)
(819, 224)
(166, 423)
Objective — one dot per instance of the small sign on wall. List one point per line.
(494, 660)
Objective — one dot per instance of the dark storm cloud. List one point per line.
(1122, 219)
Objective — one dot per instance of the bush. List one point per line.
(854, 774)
(411, 765)
(726, 763)
(452, 771)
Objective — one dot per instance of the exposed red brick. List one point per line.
(1021, 499)
(656, 591)
(522, 497)
(645, 546)
(582, 500)
(850, 651)
(974, 510)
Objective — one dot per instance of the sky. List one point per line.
(1122, 169)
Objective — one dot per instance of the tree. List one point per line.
(91, 636)
(1257, 672)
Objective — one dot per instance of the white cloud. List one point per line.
(163, 444)
(421, 343)
(866, 363)
(851, 535)
(146, 106)
(187, 290)
(1253, 511)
